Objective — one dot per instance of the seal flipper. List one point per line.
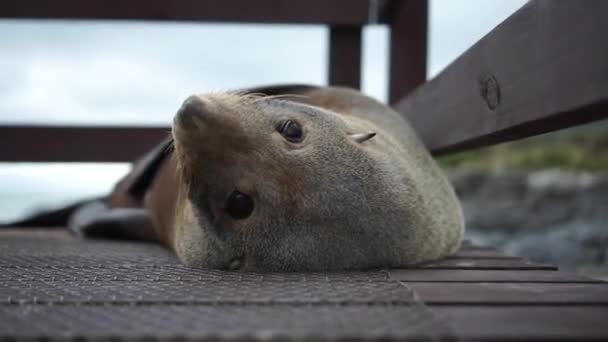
(121, 208)
(144, 170)
(52, 218)
(96, 220)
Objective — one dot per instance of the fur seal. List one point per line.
(285, 178)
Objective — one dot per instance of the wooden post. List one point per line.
(345, 56)
(408, 21)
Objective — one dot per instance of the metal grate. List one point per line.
(204, 321)
(52, 286)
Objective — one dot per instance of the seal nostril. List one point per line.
(192, 108)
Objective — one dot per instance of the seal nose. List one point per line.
(192, 109)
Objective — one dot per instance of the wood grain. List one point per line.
(408, 21)
(510, 323)
(337, 12)
(77, 144)
(511, 293)
(544, 68)
(487, 276)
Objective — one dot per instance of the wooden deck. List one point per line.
(541, 70)
(55, 286)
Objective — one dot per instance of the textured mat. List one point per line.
(54, 286)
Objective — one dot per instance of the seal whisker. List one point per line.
(272, 97)
(170, 147)
(241, 92)
(253, 95)
(234, 176)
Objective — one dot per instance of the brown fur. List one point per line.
(329, 202)
(161, 201)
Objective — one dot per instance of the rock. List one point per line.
(549, 216)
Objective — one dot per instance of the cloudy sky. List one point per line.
(59, 72)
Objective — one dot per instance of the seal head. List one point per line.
(305, 183)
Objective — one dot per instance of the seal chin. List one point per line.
(194, 244)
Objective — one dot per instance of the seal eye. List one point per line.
(290, 130)
(239, 205)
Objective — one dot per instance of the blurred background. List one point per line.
(544, 197)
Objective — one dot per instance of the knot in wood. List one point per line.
(490, 90)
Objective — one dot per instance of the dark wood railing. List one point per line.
(544, 68)
(407, 21)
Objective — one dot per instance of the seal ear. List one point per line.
(361, 137)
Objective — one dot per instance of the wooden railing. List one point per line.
(407, 22)
(544, 68)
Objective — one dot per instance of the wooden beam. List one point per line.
(336, 12)
(433, 293)
(525, 323)
(487, 276)
(77, 144)
(542, 69)
(408, 22)
(345, 56)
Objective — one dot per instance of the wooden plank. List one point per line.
(345, 56)
(337, 12)
(487, 276)
(511, 293)
(546, 323)
(486, 264)
(408, 22)
(542, 69)
(77, 144)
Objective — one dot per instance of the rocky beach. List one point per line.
(550, 215)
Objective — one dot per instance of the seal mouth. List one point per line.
(205, 207)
